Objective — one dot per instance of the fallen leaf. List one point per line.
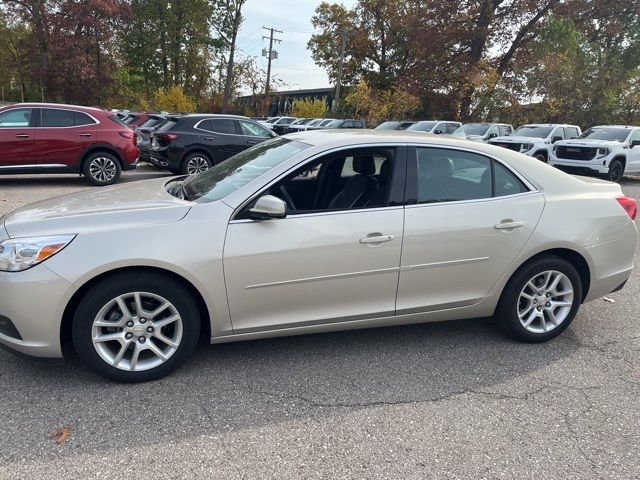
(59, 435)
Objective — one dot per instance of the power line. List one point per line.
(271, 54)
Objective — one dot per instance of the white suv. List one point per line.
(437, 127)
(483, 132)
(608, 150)
(536, 139)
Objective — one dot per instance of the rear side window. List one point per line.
(454, 175)
(82, 119)
(220, 125)
(58, 118)
(19, 117)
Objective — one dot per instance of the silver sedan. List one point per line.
(311, 232)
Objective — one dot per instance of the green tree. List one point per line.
(307, 108)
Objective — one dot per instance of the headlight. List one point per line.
(18, 254)
(603, 152)
(527, 146)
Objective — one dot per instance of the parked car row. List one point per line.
(284, 125)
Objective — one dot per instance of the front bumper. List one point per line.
(34, 301)
(600, 165)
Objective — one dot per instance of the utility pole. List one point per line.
(343, 46)
(271, 54)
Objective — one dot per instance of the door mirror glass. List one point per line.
(437, 132)
(493, 135)
(268, 207)
(555, 139)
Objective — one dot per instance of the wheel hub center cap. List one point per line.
(138, 329)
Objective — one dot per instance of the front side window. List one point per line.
(572, 132)
(346, 180)
(505, 130)
(422, 126)
(455, 175)
(226, 177)
(451, 127)
(251, 129)
(493, 131)
(20, 117)
(558, 133)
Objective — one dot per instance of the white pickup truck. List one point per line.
(483, 132)
(536, 139)
(609, 150)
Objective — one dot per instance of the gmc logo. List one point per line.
(569, 149)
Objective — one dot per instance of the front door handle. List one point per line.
(376, 238)
(509, 225)
(210, 139)
(22, 135)
(84, 134)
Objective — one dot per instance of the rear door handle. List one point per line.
(509, 225)
(22, 135)
(376, 238)
(84, 134)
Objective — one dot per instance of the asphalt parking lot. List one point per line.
(447, 400)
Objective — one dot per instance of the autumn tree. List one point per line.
(377, 105)
(309, 108)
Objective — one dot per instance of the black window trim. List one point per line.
(74, 110)
(234, 120)
(395, 199)
(411, 190)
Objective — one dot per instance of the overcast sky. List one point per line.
(294, 65)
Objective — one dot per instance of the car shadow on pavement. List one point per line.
(257, 383)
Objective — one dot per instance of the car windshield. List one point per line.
(532, 131)
(315, 122)
(129, 119)
(388, 126)
(422, 126)
(151, 122)
(475, 128)
(611, 134)
(225, 178)
(167, 125)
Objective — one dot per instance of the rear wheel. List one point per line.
(136, 327)
(540, 300)
(196, 163)
(101, 169)
(616, 171)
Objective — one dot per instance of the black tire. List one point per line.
(104, 292)
(507, 311)
(195, 160)
(541, 157)
(616, 171)
(101, 169)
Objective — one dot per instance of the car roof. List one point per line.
(547, 125)
(58, 105)
(615, 126)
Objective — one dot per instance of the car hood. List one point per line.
(515, 139)
(586, 142)
(134, 204)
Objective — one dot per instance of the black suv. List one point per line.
(193, 143)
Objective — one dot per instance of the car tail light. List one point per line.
(630, 206)
(167, 136)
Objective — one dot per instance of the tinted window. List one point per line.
(57, 118)
(253, 129)
(20, 117)
(220, 125)
(451, 175)
(168, 125)
(83, 119)
(505, 182)
(151, 122)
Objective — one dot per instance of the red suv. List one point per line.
(52, 138)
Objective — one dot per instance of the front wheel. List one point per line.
(196, 163)
(136, 327)
(540, 300)
(616, 171)
(541, 157)
(102, 169)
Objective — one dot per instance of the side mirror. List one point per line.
(437, 132)
(268, 207)
(555, 139)
(635, 143)
(493, 135)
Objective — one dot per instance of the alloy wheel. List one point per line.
(103, 169)
(615, 172)
(197, 165)
(137, 331)
(545, 301)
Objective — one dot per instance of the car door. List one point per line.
(471, 217)
(633, 155)
(253, 133)
(330, 260)
(62, 137)
(221, 136)
(17, 134)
